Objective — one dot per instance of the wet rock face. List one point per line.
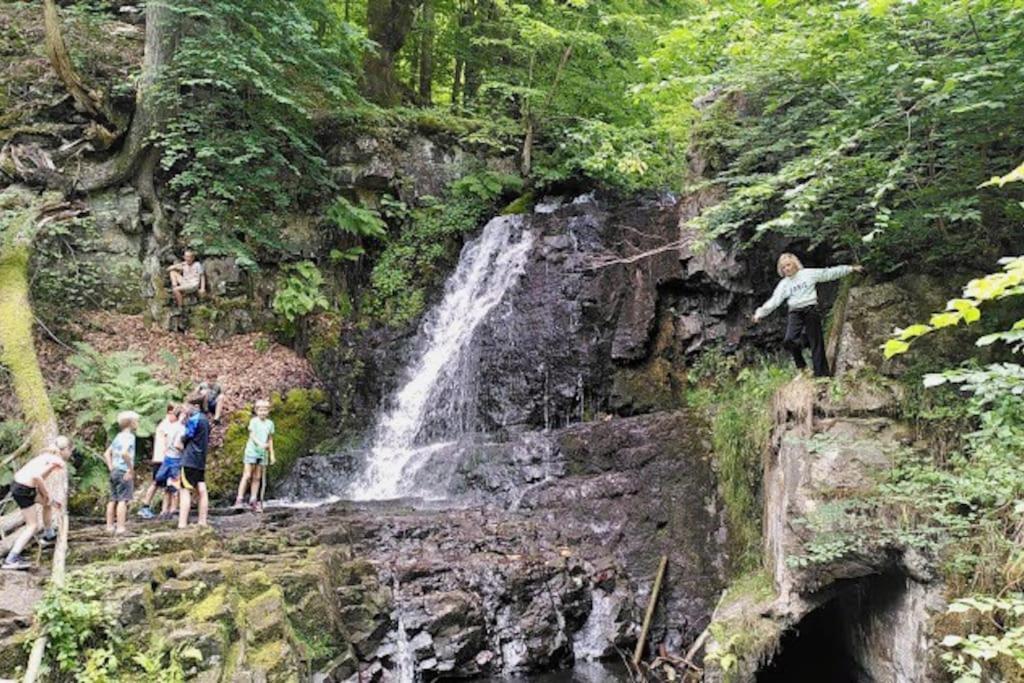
(610, 307)
(601, 501)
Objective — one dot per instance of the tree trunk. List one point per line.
(388, 24)
(88, 100)
(17, 350)
(457, 83)
(427, 54)
(162, 28)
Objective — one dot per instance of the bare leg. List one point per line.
(110, 516)
(31, 525)
(185, 502)
(150, 492)
(254, 492)
(122, 516)
(174, 503)
(246, 476)
(204, 503)
(47, 518)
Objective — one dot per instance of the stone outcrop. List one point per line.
(869, 598)
(622, 492)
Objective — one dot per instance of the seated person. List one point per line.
(187, 277)
(212, 399)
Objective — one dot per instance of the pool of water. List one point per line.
(582, 672)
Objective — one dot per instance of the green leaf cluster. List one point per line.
(246, 85)
(108, 383)
(862, 126)
(300, 292)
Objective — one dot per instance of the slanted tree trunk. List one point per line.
(88, 100)
(426, 71)
(162, 29)
(388, 24)
(17, 350)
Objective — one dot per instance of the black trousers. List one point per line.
(803, 328)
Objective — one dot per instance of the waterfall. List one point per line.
(435, 403)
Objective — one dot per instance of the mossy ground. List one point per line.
(299, 425)
(261, 616)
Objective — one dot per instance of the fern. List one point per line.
(108, 383)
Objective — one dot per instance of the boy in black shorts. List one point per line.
(193, 464)
(29, 488)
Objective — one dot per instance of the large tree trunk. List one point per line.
(162, 28)
(88, 100)
(388, 24)
(17, 350)
(426, 71)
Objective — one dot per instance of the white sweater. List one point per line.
(799, 290)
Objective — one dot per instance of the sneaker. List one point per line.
(146, 513)
(16, 562)
(48, 539)
(256, 506)
(239, 504)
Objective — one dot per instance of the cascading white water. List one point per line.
(430, 409)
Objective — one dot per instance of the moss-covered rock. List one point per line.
(299, 424)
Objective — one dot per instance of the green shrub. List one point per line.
(82, 629)
(740, 411)
(300, 292)
(108, 383)
(298, 425)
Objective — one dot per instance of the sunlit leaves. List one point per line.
(998, 285)
(1014, 176)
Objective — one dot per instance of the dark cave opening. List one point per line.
(834, 643)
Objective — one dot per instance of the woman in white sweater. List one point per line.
(798, 288)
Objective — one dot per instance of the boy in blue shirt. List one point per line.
(196, 440)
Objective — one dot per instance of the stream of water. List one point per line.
(434, 404)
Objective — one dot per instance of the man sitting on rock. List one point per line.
(187, 277)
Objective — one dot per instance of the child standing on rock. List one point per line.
(259, 449)
(798, 288)
(28, 489)
(120, 459)
(196, 440)
(161, 443)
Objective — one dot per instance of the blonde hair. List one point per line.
(262, 403)
(126, 417)
(787, 258)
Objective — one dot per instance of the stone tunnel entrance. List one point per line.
(869, 631)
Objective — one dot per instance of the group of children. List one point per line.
(178, 466)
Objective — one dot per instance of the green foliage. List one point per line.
(299, 425)
(970, 656)
(243, 90)
(428, 239)
(164, 664)
(992, 287)
(82, 629)
(12, 434)
(858, 125)
(739, 408)
(356, 220)
(108, 383)
(300, 292)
